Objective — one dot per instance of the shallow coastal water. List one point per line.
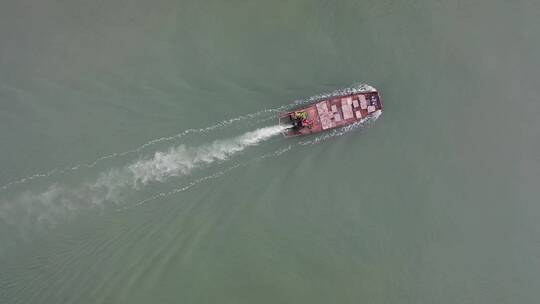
(140, 160)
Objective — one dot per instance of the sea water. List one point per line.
(140, 161)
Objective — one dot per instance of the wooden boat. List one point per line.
(333, 111)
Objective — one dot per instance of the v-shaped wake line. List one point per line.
(153, 142)
(118, 185)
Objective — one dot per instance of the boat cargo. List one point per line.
(332, 111)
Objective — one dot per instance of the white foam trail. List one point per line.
(182, 160)
(91, 164)
(115, 186)
(215, 175)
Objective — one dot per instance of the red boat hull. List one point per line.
(333, 112)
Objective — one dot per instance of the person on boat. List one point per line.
(300, 115)
(300, 119)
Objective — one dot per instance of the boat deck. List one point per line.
(337, 112)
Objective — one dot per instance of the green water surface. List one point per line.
(436, 202)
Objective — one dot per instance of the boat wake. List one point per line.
(116, 186)
(148, 171)
(215, 175)
(182, 160)
(259, 116)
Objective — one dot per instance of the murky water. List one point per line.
(141, 162)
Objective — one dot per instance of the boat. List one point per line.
(336, 110)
